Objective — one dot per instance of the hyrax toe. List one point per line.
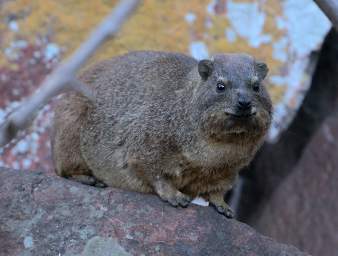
(229, 213)
(177, 199)
(224, 209)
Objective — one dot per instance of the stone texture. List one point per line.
(303, 211)
(45, 215)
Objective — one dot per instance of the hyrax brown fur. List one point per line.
(165, 123)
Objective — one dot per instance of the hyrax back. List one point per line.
(165, 123)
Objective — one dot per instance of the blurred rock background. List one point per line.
(281, 189)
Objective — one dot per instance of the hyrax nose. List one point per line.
(244, 103)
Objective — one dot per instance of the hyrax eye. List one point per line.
(254, 82)
(256, 87)
(220, 86)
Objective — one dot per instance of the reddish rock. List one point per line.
(45, 215)
(30, 150)
(303, 211)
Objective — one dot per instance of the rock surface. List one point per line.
(303, 211)
(44, 215)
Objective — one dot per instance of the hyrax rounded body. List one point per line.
(164, 123)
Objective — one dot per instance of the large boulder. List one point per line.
(44, 215)
(303, 211)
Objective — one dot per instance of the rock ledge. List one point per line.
(44, 215)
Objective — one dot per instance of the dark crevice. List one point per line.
(275, 161)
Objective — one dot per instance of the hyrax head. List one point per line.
(231, 99)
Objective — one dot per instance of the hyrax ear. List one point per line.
(205, 68)
(261, 69)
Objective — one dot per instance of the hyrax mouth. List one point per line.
(239, 122)
(241, 115)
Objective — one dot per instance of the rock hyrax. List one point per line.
(164, 123)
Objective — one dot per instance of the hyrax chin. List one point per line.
(164, 123)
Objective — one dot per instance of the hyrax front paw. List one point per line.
(167, 192)
(178, 199)
(225, 210)
(217, 201)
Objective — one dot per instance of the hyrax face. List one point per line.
(231, 99)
